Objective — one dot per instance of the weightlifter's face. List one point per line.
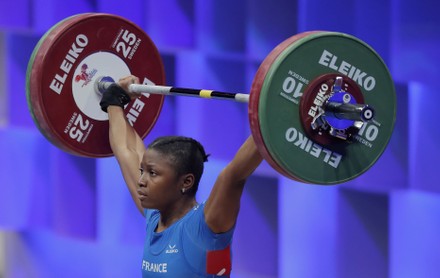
(158, 182)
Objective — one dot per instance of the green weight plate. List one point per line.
(278, 91)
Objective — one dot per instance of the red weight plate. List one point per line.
(62, 72)
(254, 102)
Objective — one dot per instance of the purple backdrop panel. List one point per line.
(9, 14)
(74, 195)
(266, 28)
(181, 33)
(363, 235)
(313, 15)
(416, 39)
(377, 33)
(224, 125)
(414, 229)
(25, 179)
(412, 14)
(219, 124)
(133, 10)
(47, 13)
(44, 254)
(19, 49)
(220, 127)
(3, 93)
(424, 143)
(221, 25)
(416, 60)
(169, 63)
(256, 232)
(118, 221)
(212, 169)
(308, 230)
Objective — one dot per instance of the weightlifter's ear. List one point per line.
(187, 182)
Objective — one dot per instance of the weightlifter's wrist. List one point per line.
(114, 96)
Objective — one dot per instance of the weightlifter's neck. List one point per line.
(169, 216)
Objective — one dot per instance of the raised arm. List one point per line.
(126, 144)
(223, 204)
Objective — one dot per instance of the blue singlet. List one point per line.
(188, 248)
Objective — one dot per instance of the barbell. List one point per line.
(321, 106)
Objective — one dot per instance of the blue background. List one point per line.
(66, 216)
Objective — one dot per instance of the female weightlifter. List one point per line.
(184, 238)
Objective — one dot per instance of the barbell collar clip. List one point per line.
(349, 111)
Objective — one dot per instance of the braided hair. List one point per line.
(187, 155)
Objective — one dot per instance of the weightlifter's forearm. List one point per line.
(246, 160)
(122, 135)
(123, 140)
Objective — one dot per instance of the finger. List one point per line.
(135, 79)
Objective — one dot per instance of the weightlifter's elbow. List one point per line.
(123, 153)
(118, 149)
(239, 172)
